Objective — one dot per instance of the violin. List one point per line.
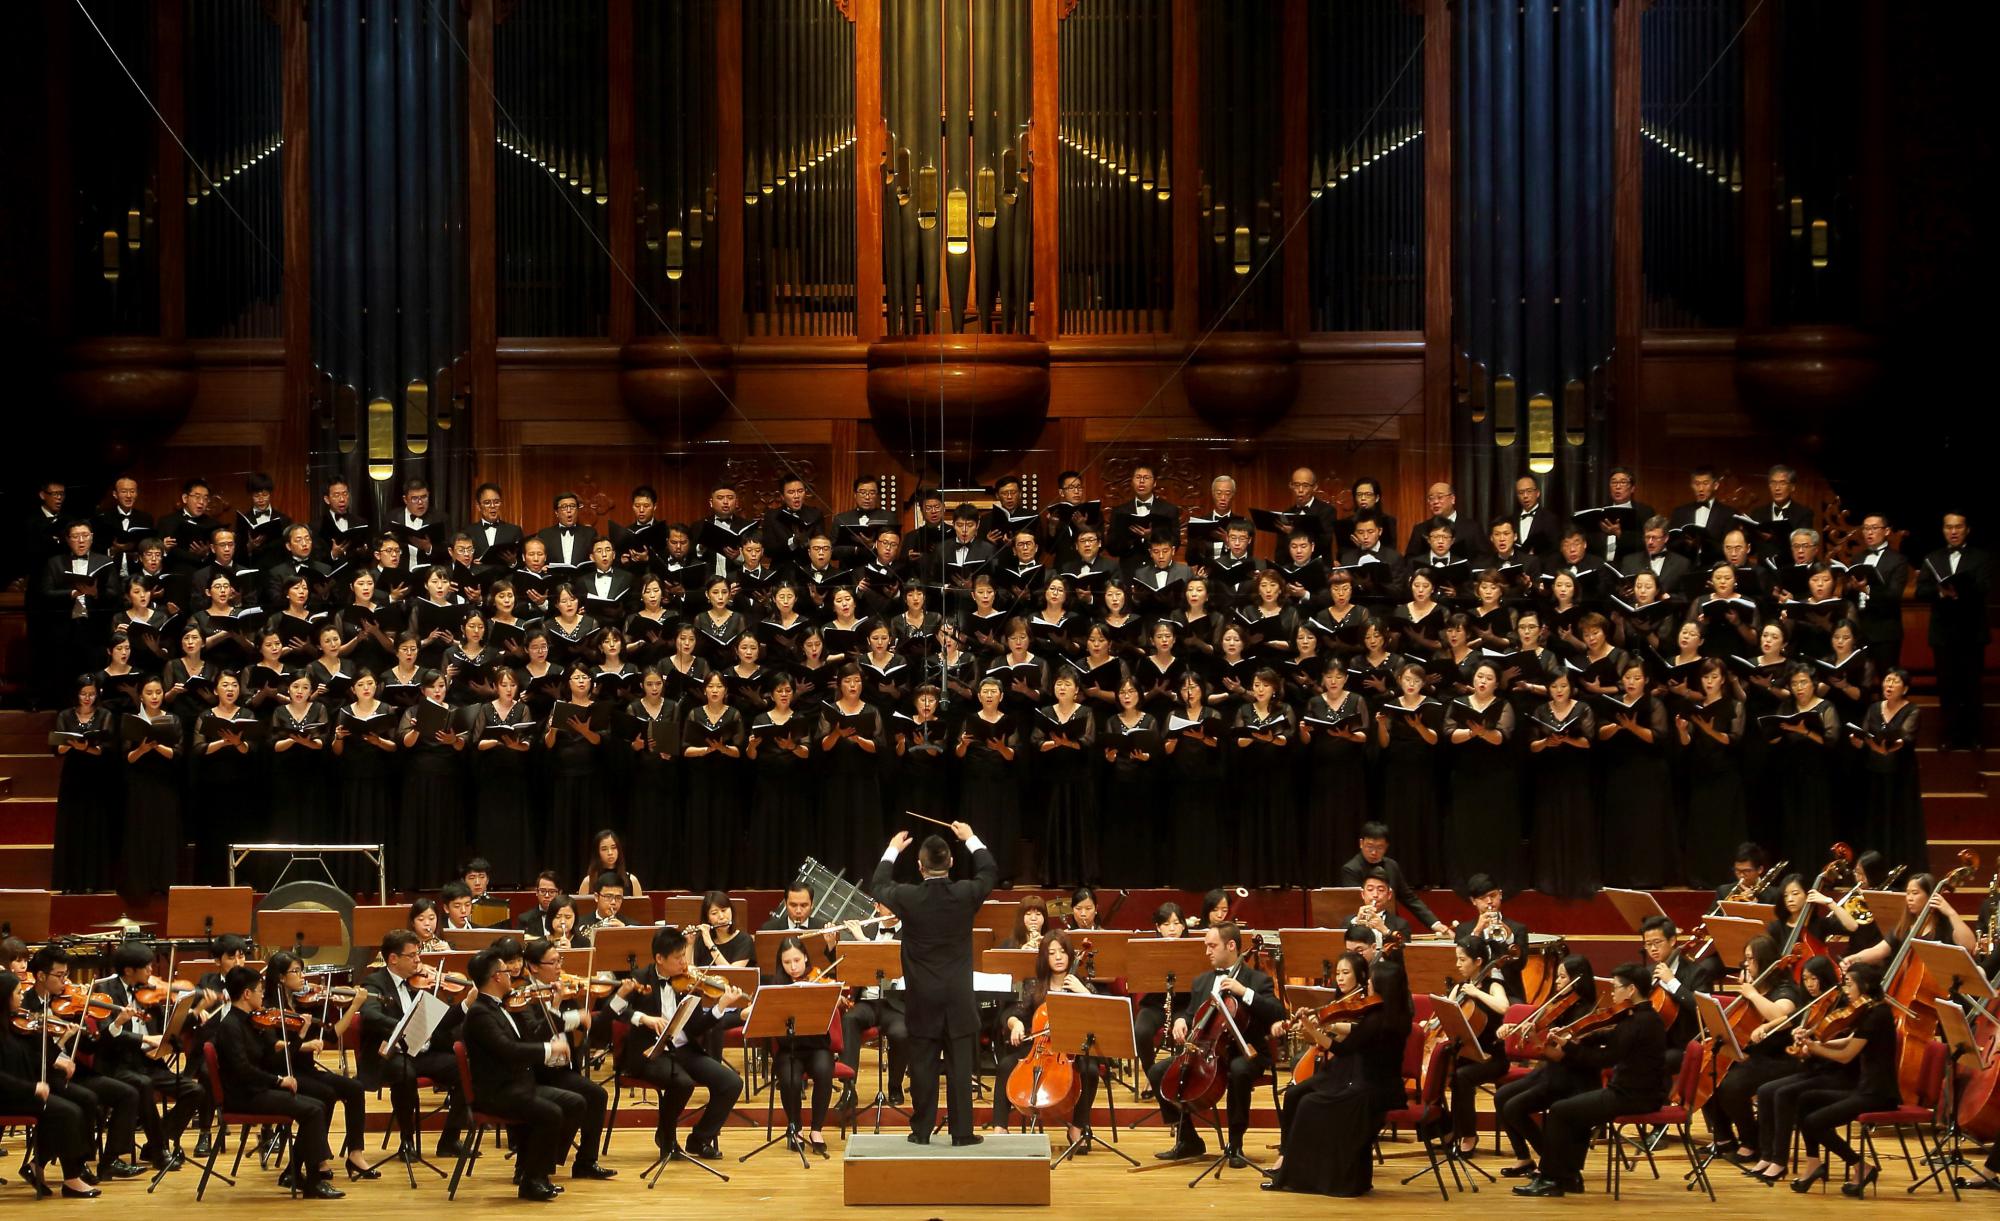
(310, 995)
(74, 1002)
(157, 995)
(1532, 1032)
(1341, 1009)
(710, 987)
(1835, 1023)
(451, 985)
(288, 1020)
(36, 1023)
(823, 975)
(1607, 1014)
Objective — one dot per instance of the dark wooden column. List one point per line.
(1185, 162)
(1757, 166)
(482, 251)
(295, 422)
(729, 172)
(1045, 186)
(1628, 284)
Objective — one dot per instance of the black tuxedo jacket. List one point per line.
(1961, 620)
(54, 584)
(239, 1057)
(1543, 536)
(582, 537)
(1162, 515)
(1881, 614)
(787, 534)
(937, 916)
(381, 1012)
(1264, 1005)
(1357, 868)
(1720, 521)
(505, 535)
(1630, 540)
(585, 583)
(502, 1061)
(660, 1002)
(114, 529)
(1675, 570)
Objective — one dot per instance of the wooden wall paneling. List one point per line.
(618, 30)
(842, 465)
(1628, 283)
(1292, 169)
(1435, 441)
(1044, 38)
(482, 250)
(1185, 162)
(290, 462)
(170, 168)
(729, 172)
(870, 143)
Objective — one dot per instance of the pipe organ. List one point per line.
(677, 196)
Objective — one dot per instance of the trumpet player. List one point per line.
(1491, 927)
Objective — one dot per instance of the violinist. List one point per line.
(1825, 1112)
(1518, 1102)
(802, 1056)
(285, 977)
(128, 1048)
(882, 1010)
(1055, 964)
(544, 1018)
(1329, 1123)
(1634, 1051)
(503, 1061)
(1728, 1109)
(392, 992)
(1149, 1016)
(1479, 991)
(646, 1000)
(247, 1083)
(1778, 1099)
(1493, 928)
(1679, 977)
(65, 1117)
(1229, 977)
(109, 1096)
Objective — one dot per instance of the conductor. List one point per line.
(943, 1015)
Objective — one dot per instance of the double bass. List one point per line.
(1199, 1072)
(1910, 987)
(1979, 1097)
(1743, 1018)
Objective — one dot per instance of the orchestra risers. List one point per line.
(27, 820)
(1944, 858)
(35, 775)
(1961, 816)
(25, 733)
(887, 1169)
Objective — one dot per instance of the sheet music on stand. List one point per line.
(419, 1024)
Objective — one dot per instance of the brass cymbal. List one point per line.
(125, 922)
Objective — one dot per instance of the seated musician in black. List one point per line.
(1679, 977)
(1149, 1012)
(1257, 1007)
(876, 1008)
(391, 992)
(502, 1062)
(1825, 1113)
(675, 1069)
(541, 963)
(1374, 854)
(125, 1045)
(1378, 912)
(1634, 1048)
(1487, 997)
(1055, 967)
(248, 1086)
(34, 1081)
(1730, 1111)
(1518, 1102)
(116, 1101)
(1329, 1123)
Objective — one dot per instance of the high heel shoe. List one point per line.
(818, 1146)
(360, 1171)
(1805, 1184)
(1863, 1176)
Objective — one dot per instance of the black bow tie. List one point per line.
(566, 531)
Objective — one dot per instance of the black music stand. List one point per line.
(1333, 906)
(1715, 1025)
(1949, 961)
(409, 1150)
(1451, 1021)
(880, 961)
(781, 1013)
(674, 1153)
(1098, 1026)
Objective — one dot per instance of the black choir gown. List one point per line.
(89, 798)
(428, 836)
(1802, 774)
(370, 794)
(1642, 849)
(653, 797)
(506, 830)
(1262, 797)
(1893, 805)
(1336, 785)
(229, 791)
(577, 805)
(1333, 1118)
(1717, 801)
(783, 809)
(1566, 852)
(989, 792)
(300, 788)
(1412, 802)
(153, 818)
(712, 813)
(850, 822)
(1194, 779)
(1483, 822)
(921, 776)
(1068, 796)
(1136, 843)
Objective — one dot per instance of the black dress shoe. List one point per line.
(1863, 1176)
(39, 1180)
(591, 1170)
(1182, 1152)
(1236, 1160)
(287, 1178)
(71, 1193)
(1541, 1188)
(916, 1139)
(119, 1168)
(818, 1146)
(1271, 1185)
(320, 1187)
(88, 1176)
(974, 1139)
(895, 1098)
(448, 1148)
(202, 1147)
(540, 1190)
(1517, 1172)
(705, 1148)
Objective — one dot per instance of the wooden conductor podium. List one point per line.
(1005, 1168)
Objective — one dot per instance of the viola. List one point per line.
(153, 996)
(711, 987)
(1341, 1009)
(74, 1002)
(36, 1023)
(289, 1020)
(1532, 1032)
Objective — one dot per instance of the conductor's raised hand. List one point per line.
(900, 842)
(963, 830)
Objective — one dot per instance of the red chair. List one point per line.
(841, 1074)
(25, 1125)
(468, 1147)
(620, 1082)
(1676, 1114)
(244, 1120)
(1430, 1119)
(1519, 1065)
(1912, 1116)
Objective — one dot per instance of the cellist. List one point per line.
(1679, 977)
(1478, 990)
(1800, 922)
(1258, 1007)
(1728, 1110)
(1054, 963)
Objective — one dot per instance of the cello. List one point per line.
(1743, 1018)
(1477, 1016)
(1979, 1097)
(1199, 1073)
(1044, 1083)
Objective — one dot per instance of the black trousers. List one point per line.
(1243, 1074)
(63, 1130)
(957, 1057)
(1778, 1108)
(1731, 1109)
(794, 1067)
(546, 1122)
(1146, 1026)
(331, 1090)
(875, 1013)
(1466, 1078)
(1566, 1131)
(400, 1074)
(152, 1082)
(595, 1102)
(118, 1104)
(675, 1074)
(1824, 1112)
(308, 1116)
(1519, 1102)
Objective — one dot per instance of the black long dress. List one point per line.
(1412, 802)
(577, 803)
(370, 790)
(1194, 778)
(851, 790)
(1565, 838)
(1802, 777)
(712, 811)
(1260, 784)
(1893, 806)
(88, 800)
(1717, 802)
(1330, 1122)
(989, 787)
(1067, 788)
(429, 832)
(782, 804)
(653, 796)
(1135, 842)
(1642, 847)
(505, 829)
(153, 817)
(1336, 792)
(1483, 822)
(299, 787)
(920, 778)
(230, 803)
